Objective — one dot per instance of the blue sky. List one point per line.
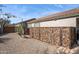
(28, 11)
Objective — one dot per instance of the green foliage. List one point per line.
(20, 29)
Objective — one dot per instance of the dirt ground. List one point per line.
(12, 43)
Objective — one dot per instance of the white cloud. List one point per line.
(59, 5)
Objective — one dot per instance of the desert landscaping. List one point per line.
(12, 43)
(57, 33)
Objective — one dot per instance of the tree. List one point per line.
(5, 17)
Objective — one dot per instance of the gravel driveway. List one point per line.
(13, 43)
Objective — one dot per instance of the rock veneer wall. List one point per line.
(68, 37)
(45, 34)
(34, 33)
(77, 22)
(59, 36)
(56, 36)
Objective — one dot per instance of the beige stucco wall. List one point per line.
(30, 25)
(69, 22)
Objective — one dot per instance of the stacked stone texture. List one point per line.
(36, 33)
(31, 32)
(45, 33)
(56, 36)
(66, 37)
(59, 36)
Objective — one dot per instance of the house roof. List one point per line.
(9, 25)
(26, 21)
(60, 15)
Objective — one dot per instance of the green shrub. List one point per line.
(20, 29)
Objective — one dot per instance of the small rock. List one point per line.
(60, 50)
(75, 50)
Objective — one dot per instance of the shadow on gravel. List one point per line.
(4, 34)
(3, 40)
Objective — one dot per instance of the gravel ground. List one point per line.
(12, 43)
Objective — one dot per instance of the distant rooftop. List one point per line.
(27, 20)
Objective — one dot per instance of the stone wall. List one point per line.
(59, 36)
(68, 37)
(56, 36)
(34, 33)
(31, 32)
(45, 33)
(77, 22)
